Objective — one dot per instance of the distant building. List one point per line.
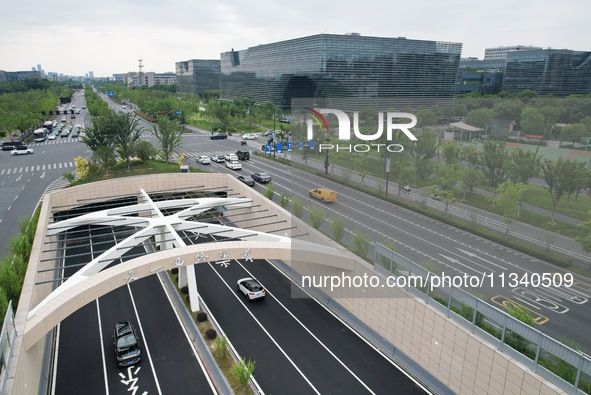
(558, 72)
(9, 76)
(500, 53)
(164, 78)
(148, 78)
(480, 76)
(197, 75)
(354, 71)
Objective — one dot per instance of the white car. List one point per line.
(22, 151)
(234, 165)
(230, 157)
(218, 158)
(203, 159)
(251, 288)
(249, 136)
(51, 136)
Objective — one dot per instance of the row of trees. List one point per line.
(120, 133)
(22, 104)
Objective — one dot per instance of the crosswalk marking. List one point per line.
(27, 169)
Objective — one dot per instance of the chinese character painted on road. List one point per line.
(131, 381)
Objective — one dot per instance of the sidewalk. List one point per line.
(544, 239)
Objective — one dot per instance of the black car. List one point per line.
(243, 155)
(219, 136)
(261, 177)
(126, 343)
(249, 182)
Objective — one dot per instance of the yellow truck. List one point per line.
(324, 194)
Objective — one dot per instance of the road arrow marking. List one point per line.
(455, 261)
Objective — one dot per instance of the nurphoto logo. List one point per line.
(344, 130)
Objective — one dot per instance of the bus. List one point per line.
(40, 134)
(48, 125)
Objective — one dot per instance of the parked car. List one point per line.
(218, 158)
(22, 150)
(219, 136)
(248, 181)
(251, 288)
(261, 177)
(203, 159)
(324, 194)
(249, 136)
(126, 343)
(234, 165)
(230, 157)
(243, 155)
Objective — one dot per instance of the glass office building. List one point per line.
(197, 75)
(357, 71)
(558, 72)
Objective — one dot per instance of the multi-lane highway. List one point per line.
(560, 312)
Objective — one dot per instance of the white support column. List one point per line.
(193, 294)
(182, 276)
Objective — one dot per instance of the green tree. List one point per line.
(421, 152)
(508, 109)
(523, 165)
(338, 228)
(574, 132)
(361, 244)
(284, 200)
(481, 118)
(532, 121)
(452, 153)
(297, 207)
(426, 117)
(585, 237)
(126, 133)
(145, 150)
(493, 162)
(509, 199)
(104, 157)
(270, 191)
(560, 177)
(169, 137)
(317, 216)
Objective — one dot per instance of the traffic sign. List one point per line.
(289, 146)
(279, 148)
(311, 144)
(268, 149)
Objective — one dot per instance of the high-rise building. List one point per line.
(558, 72)
(197, 75)
(357, 71)
(500, 53)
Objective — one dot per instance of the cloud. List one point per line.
(110, 36)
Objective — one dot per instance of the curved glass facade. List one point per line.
(557, 72)
(363, 71)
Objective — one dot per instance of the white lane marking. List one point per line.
(310, 333)
(264, 330)
(345, 324)
(98, 311)
(147, 353)
(195, 353)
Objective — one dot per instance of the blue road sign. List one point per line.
(268, 149)
(300, 145)
(311, 144)
(179, 112)
(289, 146)
(110, 93)
(279, 148)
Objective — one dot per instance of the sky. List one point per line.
(108, 36)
